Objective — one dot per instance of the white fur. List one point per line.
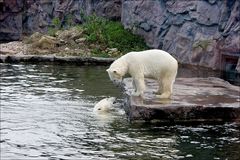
(156, 64)
(105, 105)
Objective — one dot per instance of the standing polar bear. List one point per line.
(155, 64)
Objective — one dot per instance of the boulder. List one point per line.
(194, 100)
(195, 32)
(72, 33)
(206, 13)
(11, 20)
(45, 42)
(146, 18)
(178, 7)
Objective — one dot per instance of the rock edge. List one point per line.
(195, 100)
(56, 59)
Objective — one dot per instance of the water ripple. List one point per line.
(46, 113)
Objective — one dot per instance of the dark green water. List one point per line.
(46, 113)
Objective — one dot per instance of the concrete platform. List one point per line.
(194, 100)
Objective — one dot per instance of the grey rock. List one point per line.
(177, 7)
(109, 9)
(80, 40)
(179, 41)
(206, 14)
(146, 18)
(194, 100)
(233, 22)
(33, 16)
(181, 25)
(11, 20)
(145, 26)
(179, 19)
(212, 1)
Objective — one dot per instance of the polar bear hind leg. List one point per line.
(166, 87)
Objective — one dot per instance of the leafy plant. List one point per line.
(111, 34)
(94, 28)
(56, 22)
(55, 26)
(123, 39)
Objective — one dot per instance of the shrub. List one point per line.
(123, 39)
(111, 34)
(56, 22)
(94, 28)
(55, 26)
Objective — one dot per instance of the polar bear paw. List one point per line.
(164, 96)
(137, 94)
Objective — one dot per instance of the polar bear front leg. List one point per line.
(160, 88)
(134, 86)
(140, 86)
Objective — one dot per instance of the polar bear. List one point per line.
(105, 105)
(154, 63)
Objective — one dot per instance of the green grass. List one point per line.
(111, 34)
(101, 35)
(55, 26)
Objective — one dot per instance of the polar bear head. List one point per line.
(117, 70)
(105, 105)
(115, 75)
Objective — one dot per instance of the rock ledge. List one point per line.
(195, 100)
(55, 59)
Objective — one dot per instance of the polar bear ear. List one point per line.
(108, 70)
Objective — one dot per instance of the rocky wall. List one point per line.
(199, 32)
(28, 16)
(11, 19)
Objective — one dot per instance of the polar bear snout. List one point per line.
(112, 100)
(117, 82)
(115, 76)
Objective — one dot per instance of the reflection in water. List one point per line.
(46, 113)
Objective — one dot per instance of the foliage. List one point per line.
(111, 34)
(94, 28)
(97, 36)
(56, 25)
(56, 22)
(52, 31)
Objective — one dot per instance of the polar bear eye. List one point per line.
(99, 109)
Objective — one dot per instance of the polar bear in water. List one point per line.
(105, 105)
(156, 64)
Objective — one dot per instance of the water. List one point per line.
(46, 113)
